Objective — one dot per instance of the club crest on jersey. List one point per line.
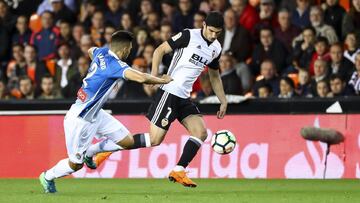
(176, 37)
(213, 54)
(164, 122)
(198, 60)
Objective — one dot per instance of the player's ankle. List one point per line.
(178, 168)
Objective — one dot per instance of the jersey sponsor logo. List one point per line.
(81, 94)
(177, 36)
(198, 60)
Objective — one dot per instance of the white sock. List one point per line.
(62, 168)
(179, 168)
(106, 145)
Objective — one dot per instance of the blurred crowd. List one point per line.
(271, 48)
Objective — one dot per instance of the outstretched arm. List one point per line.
(145, 78)
(218, 88)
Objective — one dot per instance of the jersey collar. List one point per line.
(113, 54)
(206, 40)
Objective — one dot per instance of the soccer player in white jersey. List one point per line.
(194, 49)
(86, 116)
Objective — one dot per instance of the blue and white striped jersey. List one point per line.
(105, 72)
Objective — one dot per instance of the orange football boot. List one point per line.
(181, 177)
(101, 157)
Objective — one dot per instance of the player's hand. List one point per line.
(222, 111)
(167, 78)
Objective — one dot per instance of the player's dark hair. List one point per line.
(121, 39)
(215, 19)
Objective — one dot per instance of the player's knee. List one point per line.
(75, 166)
(201, 134)
(155, 141)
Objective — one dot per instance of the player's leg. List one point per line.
(192, 120)
(160, 119)
(78, 136)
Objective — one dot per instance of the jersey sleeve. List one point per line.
(179, 40)
(214, 64)
(97, 50)
(118, 69)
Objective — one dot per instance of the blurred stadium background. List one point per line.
(285, 64)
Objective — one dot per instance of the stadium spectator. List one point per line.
(46, 6)
(167, 11)
(248, 16)
(109, 30)
(22, 33)
(351, 42)
(65, 66)
(268, 48)
(88, 9)
(231, 82)
(267, 16)
(66, 33)
(333, 15)
(303, 89)
(184, 18)
(75, 81)
(4, 47)
(234, 35)
(206, 89)
(304, 49)
(85, 44)
(199, 18)
(114, 12)
(3, 90)
(78, 31)
(97, 28)
(264, 90)
(338, 87)
(301, 14)
(219, 5)
(322, 89)
(204, 6)
(61, 12)
(148, 54)
(338, 64)
(26, 88)
(146, 7)
(47, 39)
(7, 19)
(287, 88)
(48, 88)
(134, 90)
(321, 52)
(269, 76)
(34, 68)
(126, 22)
(351, 21)
(320, 73)
(286, 31)
(322, 29)
(152, 22)
(142, 38)
(355, 78)
(16, 67)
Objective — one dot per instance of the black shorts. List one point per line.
(167, 107)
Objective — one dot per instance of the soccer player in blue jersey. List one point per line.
(86, 118)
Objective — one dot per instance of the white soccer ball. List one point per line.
(223, 142)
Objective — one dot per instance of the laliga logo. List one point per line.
(299, 166)
(107, 171)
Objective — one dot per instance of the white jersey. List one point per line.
(192, 53)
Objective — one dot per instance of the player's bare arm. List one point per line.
(219, 91)
(159, 52)
(145, 78)
(91, 51)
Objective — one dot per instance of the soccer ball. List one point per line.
(223, 142)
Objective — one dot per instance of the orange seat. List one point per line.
(51, 65)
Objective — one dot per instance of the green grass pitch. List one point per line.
(161, 190)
